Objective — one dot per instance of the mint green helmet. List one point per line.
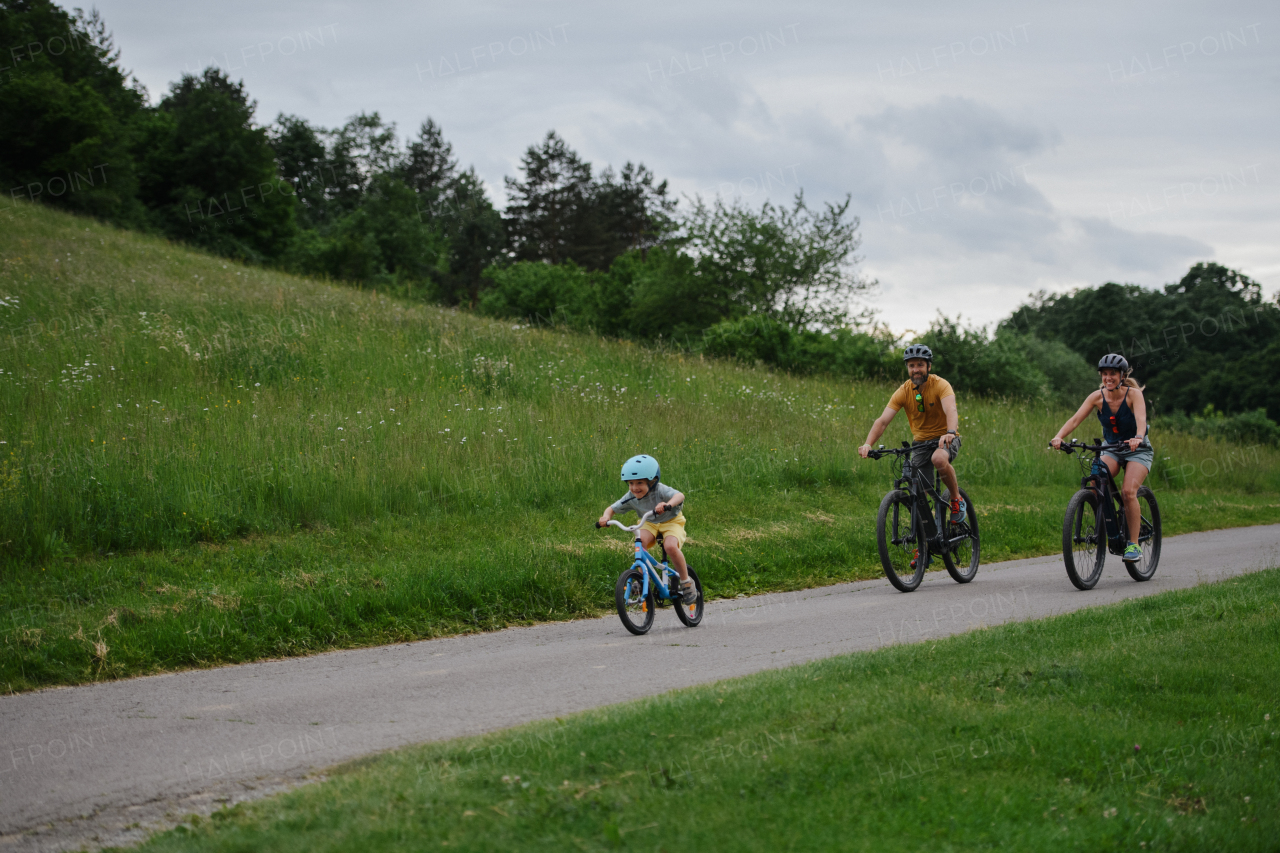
(641, 467)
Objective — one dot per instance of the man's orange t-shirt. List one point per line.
(925, 415)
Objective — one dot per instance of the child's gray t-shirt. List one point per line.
(656, 495)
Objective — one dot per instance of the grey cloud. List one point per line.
(959, 129)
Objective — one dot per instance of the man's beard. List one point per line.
(919, 380)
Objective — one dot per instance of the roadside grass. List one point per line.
(1115, 727)
(206, 463)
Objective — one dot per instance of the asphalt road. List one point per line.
(80, 765)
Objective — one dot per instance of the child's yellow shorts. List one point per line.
(673, 529)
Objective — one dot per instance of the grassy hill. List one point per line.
(205, 462)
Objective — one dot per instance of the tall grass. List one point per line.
(153, 398)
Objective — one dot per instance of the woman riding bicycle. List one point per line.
(1123, 412)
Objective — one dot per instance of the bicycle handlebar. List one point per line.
(882, 451)
(644, 519)
(1095, 448)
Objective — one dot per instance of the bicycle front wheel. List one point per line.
(635, 609)
(690, 614)
(1084, 540)
(962, 559)
(903, 550)
(1148, 537)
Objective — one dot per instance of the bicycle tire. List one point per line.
(962, 565)
(900, 543)
(1148, 538)
(1084, 541)
(690, 614)
(635, 612)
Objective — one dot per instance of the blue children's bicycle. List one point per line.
(649, 584)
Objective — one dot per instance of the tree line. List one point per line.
(606, 251)
(357, 204)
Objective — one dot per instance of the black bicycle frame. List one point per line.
(915, 482)
(1100, 481)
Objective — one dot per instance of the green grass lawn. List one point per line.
(204, 463)
(1151, 724)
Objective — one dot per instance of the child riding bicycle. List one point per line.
(645, 493)
(1122, 410)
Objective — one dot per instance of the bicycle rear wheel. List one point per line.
(903, 550)
(1084, 540)
(962, 561)
(1148, 537)
(635, 609)
(690, 614)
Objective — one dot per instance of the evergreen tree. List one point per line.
(67, 111)
(428, 166)
(476, 233)
(634, 212)
(209, 176)
(549, 212)
(560, 212)
(303, 161)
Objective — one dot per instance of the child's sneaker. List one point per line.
(959, 511)
(688, 592)
(1132, 552)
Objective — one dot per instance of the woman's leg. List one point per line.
(1134, 474)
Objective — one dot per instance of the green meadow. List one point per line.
(205, 463)
(1111, 728)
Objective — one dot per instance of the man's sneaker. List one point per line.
(959, 511)
(1132, 552)
(915, 558)
(688, 592)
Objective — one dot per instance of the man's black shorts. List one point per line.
(922, 453)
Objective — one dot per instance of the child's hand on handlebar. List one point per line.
(1055, 443)
(603, 521)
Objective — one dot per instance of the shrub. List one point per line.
(1242, 428)
(843, 352)
(542, 293)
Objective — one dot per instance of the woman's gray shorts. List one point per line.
(1145, 455)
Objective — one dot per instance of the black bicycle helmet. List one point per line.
(918, 351)
(1115, 361)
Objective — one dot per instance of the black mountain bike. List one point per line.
(1095, 522)
(909, 530)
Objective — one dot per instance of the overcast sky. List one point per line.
(990, 151)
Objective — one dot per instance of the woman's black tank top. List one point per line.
(1120, 426)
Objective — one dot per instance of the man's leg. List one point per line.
(942, 461)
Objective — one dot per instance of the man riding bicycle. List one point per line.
(932, 415)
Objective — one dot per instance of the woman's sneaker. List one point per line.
(959, 511)
(688, 592)
(1132, 552)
